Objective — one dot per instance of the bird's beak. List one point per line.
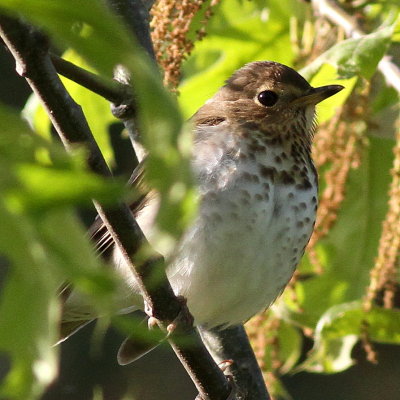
(316, 95)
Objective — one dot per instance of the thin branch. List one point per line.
(332, 11)
(30, 50)
(233, 344)
(135, 15)
(112, 91)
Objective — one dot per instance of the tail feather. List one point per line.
(68, 328)
(131, 350)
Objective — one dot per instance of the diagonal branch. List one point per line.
(233, 344)
(30, 50)
(112, 91)
(332, 11)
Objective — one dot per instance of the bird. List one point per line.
(258, 197)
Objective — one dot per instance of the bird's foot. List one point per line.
(224, 365)
(183, 320)
(152, 321)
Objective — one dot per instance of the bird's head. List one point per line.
(264, 95)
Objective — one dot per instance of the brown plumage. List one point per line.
(258, 193)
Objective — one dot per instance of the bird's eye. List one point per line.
(267, 98)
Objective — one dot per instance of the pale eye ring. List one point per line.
(267, 98)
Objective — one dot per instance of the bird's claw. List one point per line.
(152, 322)
(224, 365)
(183, 319)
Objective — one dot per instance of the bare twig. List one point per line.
(233, 344)
(332, 11)
(112, 91)
(135, 15)
(30, 50)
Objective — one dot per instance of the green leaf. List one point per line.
(339, 329)
(58, 180)
(69, 249)
(278, 390)
(16, 141)
(289, 345)
(330, 357)
(37, 117)
(386, 98)
(42, 245)
(28, 309)
(40, 254)
(104, 43)
(96, 110)
(354, 57)
(65, 16)
(42, 188)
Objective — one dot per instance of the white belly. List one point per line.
(250, 234)
(235, 261)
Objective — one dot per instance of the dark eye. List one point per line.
(267, 98)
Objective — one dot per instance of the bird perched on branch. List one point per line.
(258, 197)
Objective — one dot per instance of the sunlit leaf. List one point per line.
(95, 108)
(45, 187)
(28, 309)
(105, 44)
(42, 244)
(70, 251)
(341, 326)
(358, 56)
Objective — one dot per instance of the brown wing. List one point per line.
(209, 114)
(98, 232)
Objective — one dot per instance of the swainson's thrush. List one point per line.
(258, 196)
